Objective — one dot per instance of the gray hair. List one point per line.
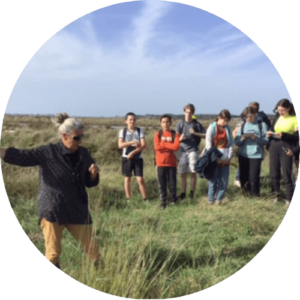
(66, 124)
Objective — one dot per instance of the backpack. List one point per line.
(138, 129)
(160, 132)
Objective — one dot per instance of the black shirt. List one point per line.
(62, 196)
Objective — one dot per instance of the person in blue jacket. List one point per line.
(251, 139)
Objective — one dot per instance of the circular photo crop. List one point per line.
(150, 150)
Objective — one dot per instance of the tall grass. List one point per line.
(146, 252)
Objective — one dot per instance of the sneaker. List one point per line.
(175, 202)
(287, 203)
(163, 206)
(218, 202)
(237, 183)
(210, 201)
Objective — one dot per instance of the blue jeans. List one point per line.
(217, 185)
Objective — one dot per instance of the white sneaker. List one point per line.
(287, 203)
(237, 183)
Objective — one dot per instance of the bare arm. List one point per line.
(2, 152)
(140, 148)
(123, 144)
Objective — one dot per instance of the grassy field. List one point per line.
(146, 252)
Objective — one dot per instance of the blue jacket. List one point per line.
(207, 164)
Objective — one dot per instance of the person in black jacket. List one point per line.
(66, 169)
(283, 137)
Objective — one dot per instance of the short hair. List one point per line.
(66, 124)
(166, 116)
(224, 114)
(191, 107)
(130, 114)
(256, 104)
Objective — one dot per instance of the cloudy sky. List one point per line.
(150, 57)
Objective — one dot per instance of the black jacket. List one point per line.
(62, 196)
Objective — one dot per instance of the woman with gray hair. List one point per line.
(66, 169)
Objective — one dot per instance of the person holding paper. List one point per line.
(284, 125)
(251, 139)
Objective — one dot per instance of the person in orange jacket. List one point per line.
(166, 143)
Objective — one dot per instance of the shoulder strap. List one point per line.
(138, 129)
(242, 127)
(173, 135)
(124, 133)
(260, 127)
(181, 127)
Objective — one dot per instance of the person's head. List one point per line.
(70, 131)
(189, 110)
(165, 122)
(284, 107)
(223, 118)
(255, 105)
(130, 120)
(249, 114)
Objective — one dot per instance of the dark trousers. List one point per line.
(250, 175)
(165, 176)
(280, 161)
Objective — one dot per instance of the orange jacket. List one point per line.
(165, 156)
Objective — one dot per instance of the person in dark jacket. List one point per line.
(66, 169)
(283, 136)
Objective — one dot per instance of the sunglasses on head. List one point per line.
(77, 137)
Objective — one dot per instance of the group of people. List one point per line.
(66, 168)
(178, 152)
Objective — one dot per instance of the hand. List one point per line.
(2, 152)
(163, 138)
(169, 139)
(279, 134)
(243, 137)
(219, 161)
(94, 170)
(136, 144)
(182, 137)
(130, 155)
(289, 152)
(253, 136)
(269, 133)
(192, 131)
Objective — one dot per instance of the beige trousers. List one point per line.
(82, 233)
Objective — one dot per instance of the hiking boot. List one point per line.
(182, 196)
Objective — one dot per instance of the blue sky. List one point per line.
(147, 57)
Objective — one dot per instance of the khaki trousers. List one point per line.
(82, 233)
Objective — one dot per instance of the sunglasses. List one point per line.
(77, 137)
